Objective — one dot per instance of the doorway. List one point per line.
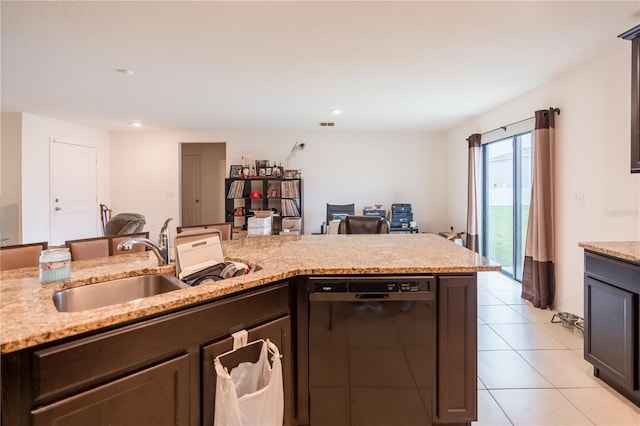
(507, 182)
(203, 170)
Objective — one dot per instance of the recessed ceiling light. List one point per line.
(124, 71)
(336, 111)
(136, 124)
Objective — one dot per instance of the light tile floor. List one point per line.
(531, 372)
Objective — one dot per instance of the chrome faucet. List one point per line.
(164, 240)
(161, 249)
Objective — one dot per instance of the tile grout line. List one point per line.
(501, 409)
(553, 387)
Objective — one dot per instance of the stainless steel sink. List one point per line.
(112, 292)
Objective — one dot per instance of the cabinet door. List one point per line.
(457, 368)
(156, 396)
(609, 340)
(279, 332)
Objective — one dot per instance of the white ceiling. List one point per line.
(391, 66)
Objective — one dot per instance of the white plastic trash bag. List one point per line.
(252, 394)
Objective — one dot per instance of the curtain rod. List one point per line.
(555, 110)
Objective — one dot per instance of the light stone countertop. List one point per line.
(29, 318)
(626, 250)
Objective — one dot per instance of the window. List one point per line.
(506, 198)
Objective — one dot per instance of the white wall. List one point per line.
(592, 159)
(36, 133)
(10, 188)
(365, 168)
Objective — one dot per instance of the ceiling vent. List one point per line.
(327, 124)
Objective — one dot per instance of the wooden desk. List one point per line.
(403, 230)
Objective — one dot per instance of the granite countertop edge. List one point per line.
(626, 250)
(29, 317)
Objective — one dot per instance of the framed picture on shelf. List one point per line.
(262, 171)
(291, 174)
(235, 171)
(268, 171)
(262, 164)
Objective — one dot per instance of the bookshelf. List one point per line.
(283, 196)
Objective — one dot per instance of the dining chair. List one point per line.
(21, 256)
(88, 248)
(105, 216)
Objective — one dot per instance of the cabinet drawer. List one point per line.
(623, 274)
(66, 368)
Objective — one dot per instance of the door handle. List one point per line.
(197, 200)
(58, 208)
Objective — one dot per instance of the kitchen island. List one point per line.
(32, 327)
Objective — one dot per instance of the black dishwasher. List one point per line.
(371, 350)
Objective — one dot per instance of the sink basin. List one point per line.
(112, 292)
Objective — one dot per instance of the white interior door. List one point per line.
(74, 205)
(191, 200)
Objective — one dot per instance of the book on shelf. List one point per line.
(290, 189)
(289, 207)
(236, 189)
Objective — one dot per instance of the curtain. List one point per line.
(538, 276)
(473, 194)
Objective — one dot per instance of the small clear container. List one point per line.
(55, 265)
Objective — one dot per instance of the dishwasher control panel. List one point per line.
(396, 284)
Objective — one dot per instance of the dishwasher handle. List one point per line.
(371, 296)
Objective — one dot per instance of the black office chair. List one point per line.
(364, 225)
(338, 210)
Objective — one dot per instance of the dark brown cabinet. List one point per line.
(610, 331)
(457, 368)
(277, 331)
(634, 36)
(612, 322)
(152, 372)
(156, 396)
